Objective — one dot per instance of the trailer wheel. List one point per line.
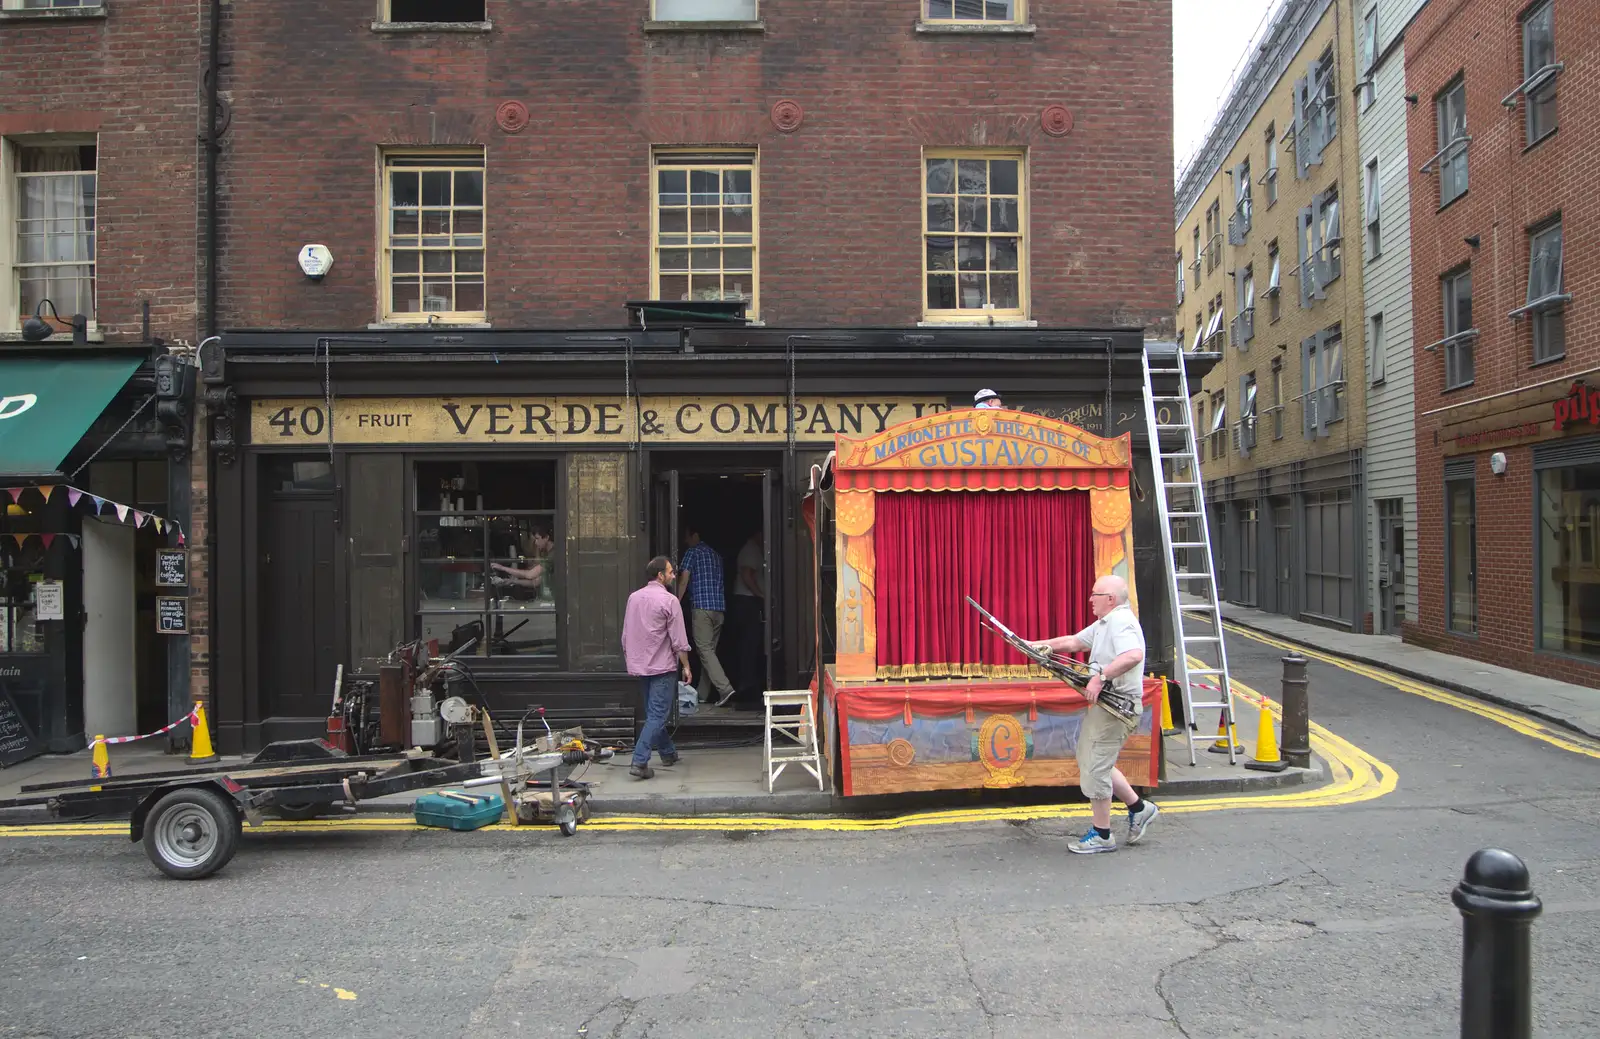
(304, 810)
(191, 833)
(567, 819)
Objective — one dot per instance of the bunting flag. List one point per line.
(47, 489)
(16, 493)
(99, 503)
(74, 539)
(161, 525)
(47, 538)
(20, 538)
(122, 511)
(139, 518)
(73, 494)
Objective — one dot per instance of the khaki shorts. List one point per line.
(1100, 740)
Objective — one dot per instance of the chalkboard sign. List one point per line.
(172, 567)
(17, 741)
(172, 615)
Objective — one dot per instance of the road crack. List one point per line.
(983, 1001)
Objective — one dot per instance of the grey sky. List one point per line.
(1208, 39)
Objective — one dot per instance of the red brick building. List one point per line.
(1506, 269)
(100, 170)
(952, 192)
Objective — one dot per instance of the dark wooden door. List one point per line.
(298, 649)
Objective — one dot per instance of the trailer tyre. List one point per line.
(567, 819)
(191, 833)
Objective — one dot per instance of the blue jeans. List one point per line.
(658, 691)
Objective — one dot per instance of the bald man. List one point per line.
(1115, 644)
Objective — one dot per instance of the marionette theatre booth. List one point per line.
(1016, 513)
(503, 490)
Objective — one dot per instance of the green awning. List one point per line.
(46, 405)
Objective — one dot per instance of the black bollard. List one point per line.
(1498, 908)
(1296, 712)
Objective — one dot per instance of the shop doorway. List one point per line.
(298, 655)
(737, 510)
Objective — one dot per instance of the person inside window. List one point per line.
(530, 575)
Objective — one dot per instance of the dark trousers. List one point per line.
(751, 667)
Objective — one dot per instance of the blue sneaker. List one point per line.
(1092, 843)
(1140, 821)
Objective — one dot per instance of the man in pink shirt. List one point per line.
(656, 649)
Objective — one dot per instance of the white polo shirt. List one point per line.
(1108, 638)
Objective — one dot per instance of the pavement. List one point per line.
(1289, 914)
(724, 780)
(1575, 706)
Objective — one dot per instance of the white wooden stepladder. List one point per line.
(1200, 663)
(798, 732)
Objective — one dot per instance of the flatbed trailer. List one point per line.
(190, 820)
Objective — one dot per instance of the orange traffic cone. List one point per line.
(200, 751)
(1267, 758)
(1226, 735)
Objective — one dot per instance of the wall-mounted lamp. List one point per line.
(1473, 240)
(37, 330)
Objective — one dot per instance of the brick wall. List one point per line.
(131, 79)
(315, 92)
(1511, 187)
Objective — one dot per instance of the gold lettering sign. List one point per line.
(979, 438)
(577, 420)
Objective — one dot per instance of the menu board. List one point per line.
(172, 567)
(172, 615)
(17, 741)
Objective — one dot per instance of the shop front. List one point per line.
(1539, 446)
(91, 475)
(500, 492)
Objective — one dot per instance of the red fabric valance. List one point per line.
(1027, 558)
(977, 479)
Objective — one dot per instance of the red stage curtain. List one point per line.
(1026, 556)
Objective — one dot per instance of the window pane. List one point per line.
(705, 286)
(1462, 578)
(941, 292)
(1549, 335)
(941, 176)
(1003, 214)
(469, 188)
(973, 175)
(705, 259)
(973, 291)
(738, 224)
(706, 10)
(673, 187)
(469, 293)
(941, 254)
(972, 215)
(1004, 291)
(942, 214)
(738, 259)
(998, 10)
(435, 188)
(674, 286)
(736, 183)
(674, 259)
(406, 296)
(1002, 177)
(970, 253)
(403, 190)
(1569, 552)
(470, 261)
(1002, 254)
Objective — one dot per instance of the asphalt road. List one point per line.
(1256, 922)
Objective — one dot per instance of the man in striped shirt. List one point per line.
(700, 574)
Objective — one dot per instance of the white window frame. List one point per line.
(11, 210)
(1269, 176)
(689, 159)
(1372, 205)
(390, 159)
(49, 5)
(987, 313)
(1019, 15)
(1547, 298)
(1377, 348)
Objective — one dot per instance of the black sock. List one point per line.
(1137, 805)
(1104, 831)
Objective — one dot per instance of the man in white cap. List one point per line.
(986, 398)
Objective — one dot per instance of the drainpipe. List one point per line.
(213, 73)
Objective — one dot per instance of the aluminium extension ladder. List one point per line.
(1200, 662)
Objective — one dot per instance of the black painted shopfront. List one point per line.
(507, 488)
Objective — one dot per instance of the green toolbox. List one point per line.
(455, 810)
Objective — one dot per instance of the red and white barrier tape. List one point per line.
(192, 718)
